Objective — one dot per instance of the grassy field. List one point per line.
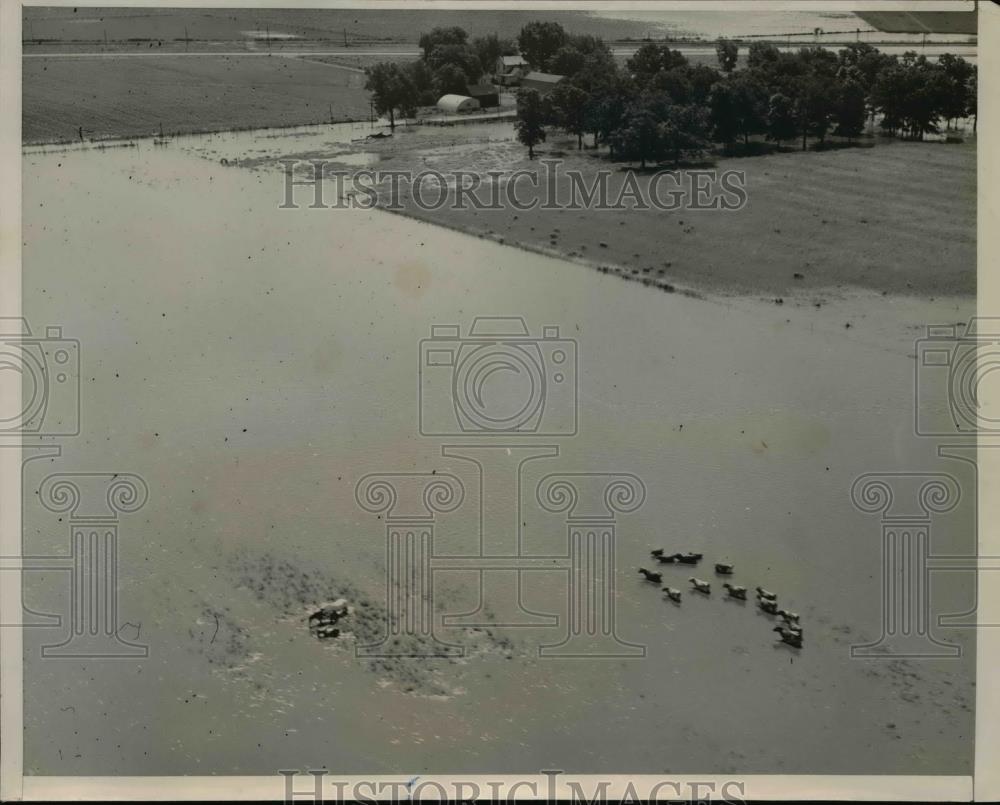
(898, 217)
(133, 97)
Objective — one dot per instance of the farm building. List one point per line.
(486, 94)
(457, 103)
(544, 83)
(510, 70)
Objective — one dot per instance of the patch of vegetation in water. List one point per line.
(408, 660)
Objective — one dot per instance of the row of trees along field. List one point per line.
(661, 106)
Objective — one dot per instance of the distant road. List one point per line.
(194, 53)
(961, 49)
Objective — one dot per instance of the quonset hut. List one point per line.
(457, 103)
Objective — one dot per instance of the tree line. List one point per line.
(660, 106)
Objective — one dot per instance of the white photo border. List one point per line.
(984, 785)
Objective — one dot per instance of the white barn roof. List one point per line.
(544, 78)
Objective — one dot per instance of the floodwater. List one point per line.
(253, 364)
(711, 25)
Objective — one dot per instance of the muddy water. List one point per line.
(253, 364)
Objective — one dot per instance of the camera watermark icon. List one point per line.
(49, 370)
(498, 379)
(501, 382)
(954, 364)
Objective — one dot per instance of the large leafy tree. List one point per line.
(702, 78)
(568, 60)
(569, 108)
(728, 54)
(685, 132)
(609, 101)
(782, 123)
(809, 77)
(442, 36)
(422, 78)
(749, 104)
(539, 41)
(928, 98)
(676, 83)
(645, 62)
(958, 72)
(464, 57)
(722, 113)
(579, 53)
(850, 110)
(762, 56)
(651, 58)
(815, 104)
(491, 47)
(889, 94)
(865, 62)
(912, 94)
(598, 70)
(819, 62)
(450, 79)
(530, 123)
(392, 90)
(738, 107)
(639, 137)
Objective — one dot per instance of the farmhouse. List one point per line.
(544, 83)
(457, 103)
(510, 70)
(486, 94)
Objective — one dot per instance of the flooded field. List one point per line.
(252, 366)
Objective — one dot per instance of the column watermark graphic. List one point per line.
(93, 504)
(409, 503)
(511, 397)
(906, 503)
(591, 503)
